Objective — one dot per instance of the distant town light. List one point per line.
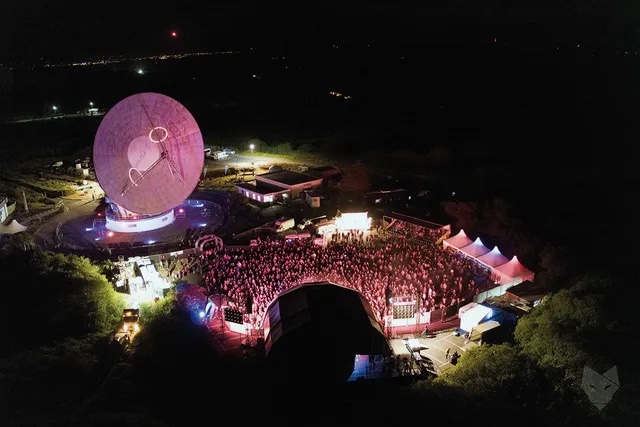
(140, 71)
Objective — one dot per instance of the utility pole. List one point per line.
(24, 198)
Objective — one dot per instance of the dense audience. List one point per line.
(374, 264)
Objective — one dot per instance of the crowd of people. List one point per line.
(376, 265)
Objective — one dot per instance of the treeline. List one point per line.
(57, 313)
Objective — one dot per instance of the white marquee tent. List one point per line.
(475, 249)
(503, 271)
(473, 314)
(458, 241)
(493, 258)
(12, 228)
(513, 271)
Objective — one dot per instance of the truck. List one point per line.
(130, 321)
(307, 222)
(283, 224)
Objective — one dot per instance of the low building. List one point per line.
(330, 174)
(262, 192)
(312, 198)
(278, 186)
(493, 321)
(527, 293)
(4, 210)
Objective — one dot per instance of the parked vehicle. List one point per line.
(219, 155)
(130, 320)
(307, 222)
(283, 224)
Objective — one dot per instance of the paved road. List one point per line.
(45, 234)
(59, 116)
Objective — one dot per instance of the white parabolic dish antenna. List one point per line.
(148, 153)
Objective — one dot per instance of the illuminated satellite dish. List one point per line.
(148, 153)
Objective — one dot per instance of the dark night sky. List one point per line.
(72, 28)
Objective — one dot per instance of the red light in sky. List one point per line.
(174, 34)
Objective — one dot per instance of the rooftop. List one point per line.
(261, 187)
(416, 221)
(529, 291)
(288, 177)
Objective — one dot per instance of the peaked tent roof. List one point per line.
(514, 269)
(12, 228)
(458, 241)
(475, 249)
(493, 258)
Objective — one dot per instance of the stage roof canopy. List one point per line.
(323, 325)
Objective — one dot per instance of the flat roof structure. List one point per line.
(529, 291)
(415, 221)
(261, 187)
(287, 178)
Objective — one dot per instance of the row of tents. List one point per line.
(503, 269)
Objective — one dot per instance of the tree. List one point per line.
(151, 311)
(19, 242)
(504, 382)
(572, 329)
(465, 214)
(494, 372)
(54, 295)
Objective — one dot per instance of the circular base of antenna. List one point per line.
(138, 225)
